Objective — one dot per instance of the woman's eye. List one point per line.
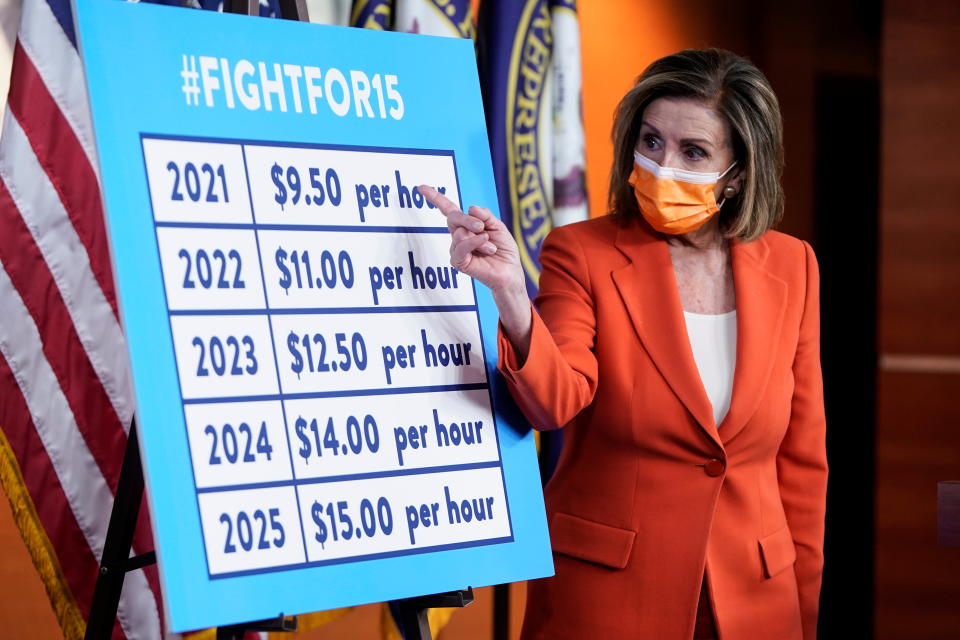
(695, 153)
(650, 141)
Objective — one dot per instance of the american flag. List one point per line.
(65, 391)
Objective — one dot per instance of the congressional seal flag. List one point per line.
(529, 62)
(429, 17)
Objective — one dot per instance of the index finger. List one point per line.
(440, 201)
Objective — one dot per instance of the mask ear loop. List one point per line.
(725, 172)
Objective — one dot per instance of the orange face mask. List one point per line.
(674, 200)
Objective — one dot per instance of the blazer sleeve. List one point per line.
(802, 459)
(559, 377)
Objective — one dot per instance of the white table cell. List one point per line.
(210, 268)
(237, 443)
(377, 351)
(223, 356)
(192, 181)
(344, 436)
(307, 186)
(308, 269)
(403, 514)
(251, 529)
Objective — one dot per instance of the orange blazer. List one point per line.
(649, 493)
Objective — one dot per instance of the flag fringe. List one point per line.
(41, 551)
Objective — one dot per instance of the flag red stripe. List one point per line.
(91, 407)
(63, 159)
(77, 562)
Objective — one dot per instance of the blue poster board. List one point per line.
(320, 419)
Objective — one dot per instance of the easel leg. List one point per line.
(414, 624)
(236, 631)
(116, 547)
(501, 612)
(412, 614)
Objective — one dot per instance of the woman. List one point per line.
(678, 344)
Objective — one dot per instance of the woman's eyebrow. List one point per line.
(697, 141)
(656, 132)
(652, 128)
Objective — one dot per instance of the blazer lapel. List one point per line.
(648, 287)
(649, 291)
(761, 301)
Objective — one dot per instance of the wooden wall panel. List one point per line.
(920, 251)
(918, 428)
(918, 444)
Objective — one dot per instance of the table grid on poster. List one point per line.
(299, 459)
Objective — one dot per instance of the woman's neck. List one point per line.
(706, 238)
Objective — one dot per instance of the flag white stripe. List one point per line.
(83, 485)
(567, 142)
(58, 63)
(48, 222)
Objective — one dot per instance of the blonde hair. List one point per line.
(741, 94)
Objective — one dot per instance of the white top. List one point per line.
(714, 342)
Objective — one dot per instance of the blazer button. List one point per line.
(714, 467)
